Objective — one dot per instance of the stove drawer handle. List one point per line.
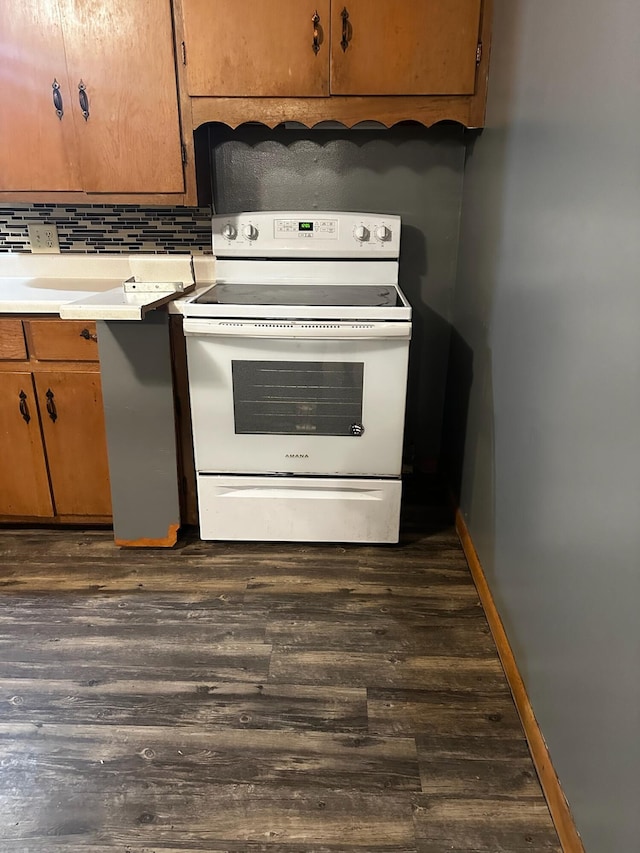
(291, 331)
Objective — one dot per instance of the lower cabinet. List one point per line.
(53, 453)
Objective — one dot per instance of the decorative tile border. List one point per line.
(110, 228)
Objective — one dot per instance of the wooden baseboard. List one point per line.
(556, 800)
(57, 520)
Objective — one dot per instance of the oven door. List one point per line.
(297, 397)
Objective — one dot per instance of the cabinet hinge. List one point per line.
(183, 47)
(183, 148)
(478, 52)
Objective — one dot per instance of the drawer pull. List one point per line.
(344, 44)
(57, 99)
(86, 334)
(51, 406)
(84, 100)
(24, 409)
(316, 33)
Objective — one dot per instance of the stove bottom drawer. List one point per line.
(298, 509)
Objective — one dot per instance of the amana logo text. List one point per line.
(296, 456)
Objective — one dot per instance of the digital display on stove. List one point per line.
(305, 226)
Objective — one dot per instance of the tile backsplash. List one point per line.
(110, 228)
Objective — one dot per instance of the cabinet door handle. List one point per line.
(84, 100)
(316, 32)
(24, 409)
(346, 28)
(86, 334)
(57, 99)
(51, 406)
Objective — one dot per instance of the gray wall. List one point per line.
(543, 414)
(409, 170)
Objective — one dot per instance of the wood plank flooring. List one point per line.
(288, 698)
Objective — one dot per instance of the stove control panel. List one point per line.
(298, 234)
(306, 229)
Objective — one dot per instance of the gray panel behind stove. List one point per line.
(409, 170)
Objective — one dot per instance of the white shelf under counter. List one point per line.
(115, 304)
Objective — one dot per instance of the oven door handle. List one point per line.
(289, 329)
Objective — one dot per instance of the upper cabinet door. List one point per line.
(122, 76)
(404, 47)
(37, 141)
(244, 48)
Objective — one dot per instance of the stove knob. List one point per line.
(250, 232)
(383, 234)
(356, 429)
(361, 233)
(229, 231)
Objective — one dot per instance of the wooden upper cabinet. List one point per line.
(243, 48)
(37, 135)
(111, 126)
(344, 60)
(122, 75)
(399, 47)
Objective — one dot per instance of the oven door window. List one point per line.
(297, 397)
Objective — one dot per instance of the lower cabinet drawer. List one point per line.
(62, 340)
(12, 343)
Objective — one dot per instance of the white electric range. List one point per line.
(297, 362)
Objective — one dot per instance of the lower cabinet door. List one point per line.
(75, 441)
(24, 484)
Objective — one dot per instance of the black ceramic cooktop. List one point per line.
(382, 296)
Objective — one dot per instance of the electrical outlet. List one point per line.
(43, 237)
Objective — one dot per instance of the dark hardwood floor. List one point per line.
(257, 697)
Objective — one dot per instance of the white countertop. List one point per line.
(43, 283)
